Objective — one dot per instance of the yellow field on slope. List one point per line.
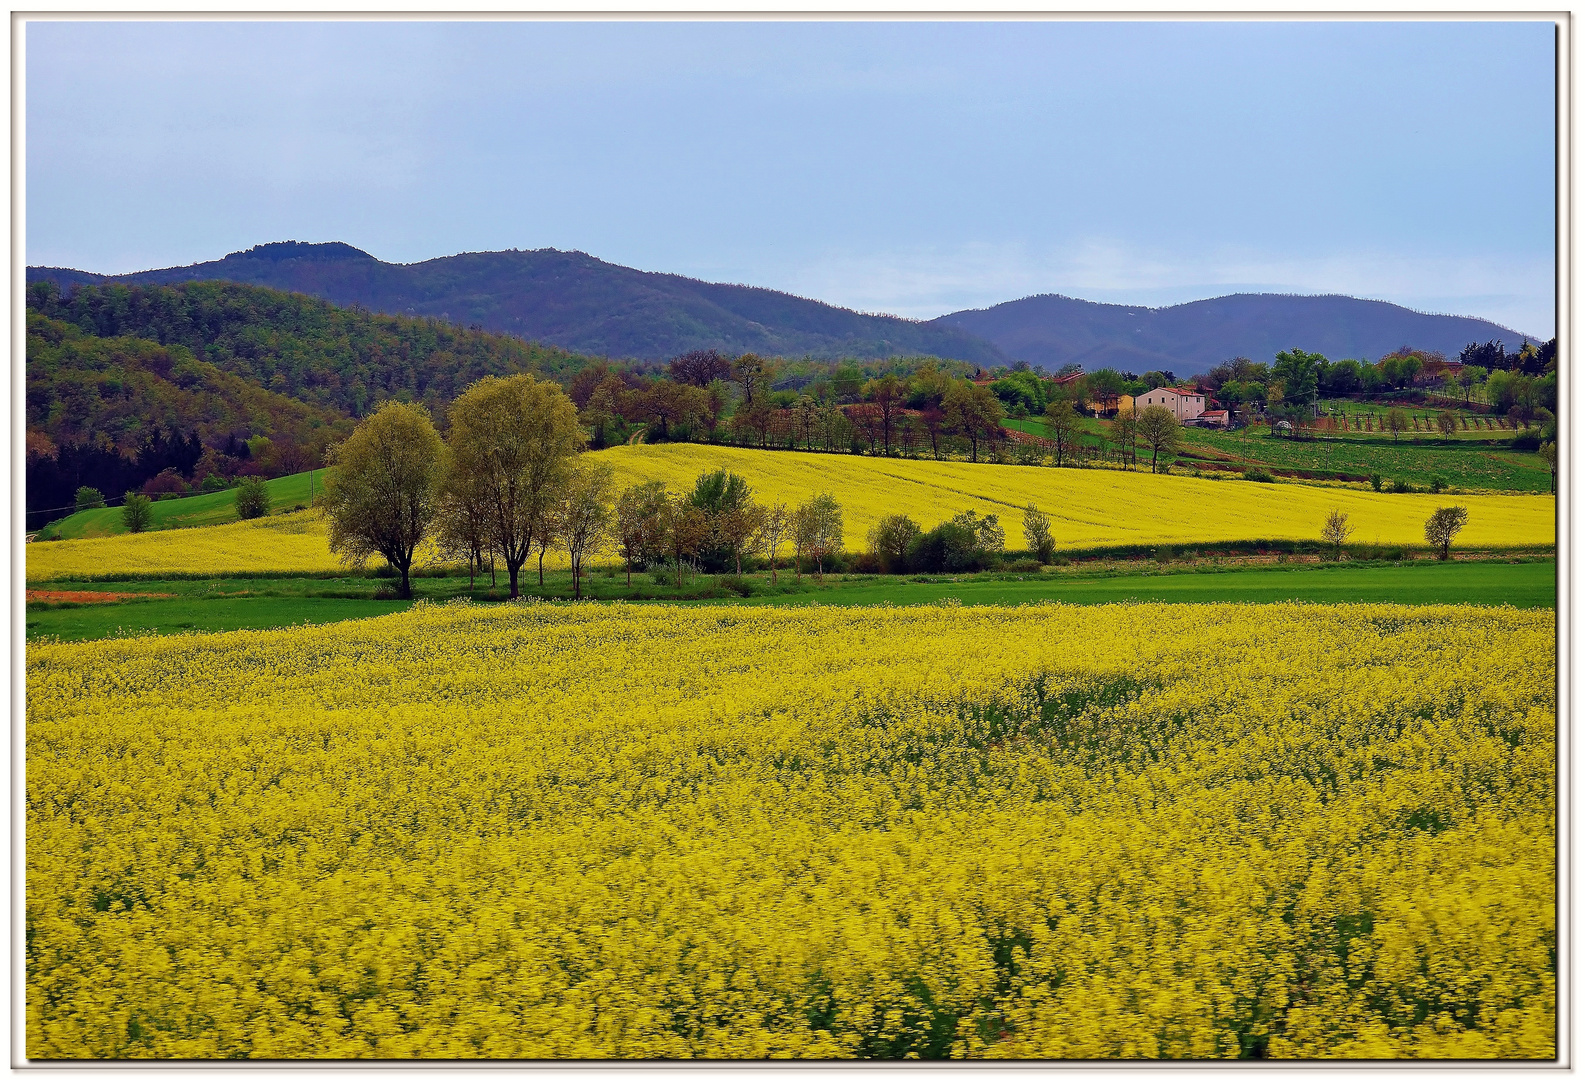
(563, 831)
(1088, 508)
(284, 543)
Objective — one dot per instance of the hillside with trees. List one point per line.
(572, 300)
(344, 359)
(1052, 331)
(115, 413)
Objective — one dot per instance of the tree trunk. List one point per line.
(541, 568)
(577, 585)
(630, 573)
(407, 586)
(511, 573)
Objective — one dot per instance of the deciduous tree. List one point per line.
(252, 498)
(1336, 532)
(137, 511)
(1062, 428)
(584, 516)
(1442, 526)
(1037, 534)
(515, 438)
(773, 533)
(381, 493)
(974, 413)
(890, 539)
(640, 524)
(686, 529)
(817, 530)
(1159, 430)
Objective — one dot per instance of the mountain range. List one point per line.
(580, 303)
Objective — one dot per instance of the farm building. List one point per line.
(1186, 405)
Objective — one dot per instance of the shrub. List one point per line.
(966, 542)
(1023, 566)
(253, 498)
(89, 498)
(137, 512)
(167, 484)
(1165, 554)
(212, 483)
(890, 540)
(1375, 481)
(1259, 476)
(1438, 485)
(867, 562)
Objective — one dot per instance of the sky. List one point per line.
(913, 168)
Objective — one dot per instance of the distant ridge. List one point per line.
(581, 303)
(1051, 330)
(573, 300)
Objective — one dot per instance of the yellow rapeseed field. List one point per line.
(283, 544)
(1088, 507)
(541, 830)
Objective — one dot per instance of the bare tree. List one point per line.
(773, 533)
(1336, 532)
(1062, 428)
(1125, 430)
(887, 393)
(1397, 421)
(1442, 526)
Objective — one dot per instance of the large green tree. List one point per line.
(1300, 375)
(514, 441)
(382, 489)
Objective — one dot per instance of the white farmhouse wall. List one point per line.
(1183, 405)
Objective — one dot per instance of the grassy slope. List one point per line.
(216, 508)
(1469, 460)
(211, 606)
(1462, 462)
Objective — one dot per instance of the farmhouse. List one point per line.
(1212, 418)
(1186, 405)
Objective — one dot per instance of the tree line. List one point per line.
(507, 482)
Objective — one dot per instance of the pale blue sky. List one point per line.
(914, 168)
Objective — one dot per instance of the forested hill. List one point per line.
(575, 301)
(1189, 339)
(340, 359)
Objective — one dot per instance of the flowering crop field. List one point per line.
(547, 831)
(1088, 507)
(284, 543)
